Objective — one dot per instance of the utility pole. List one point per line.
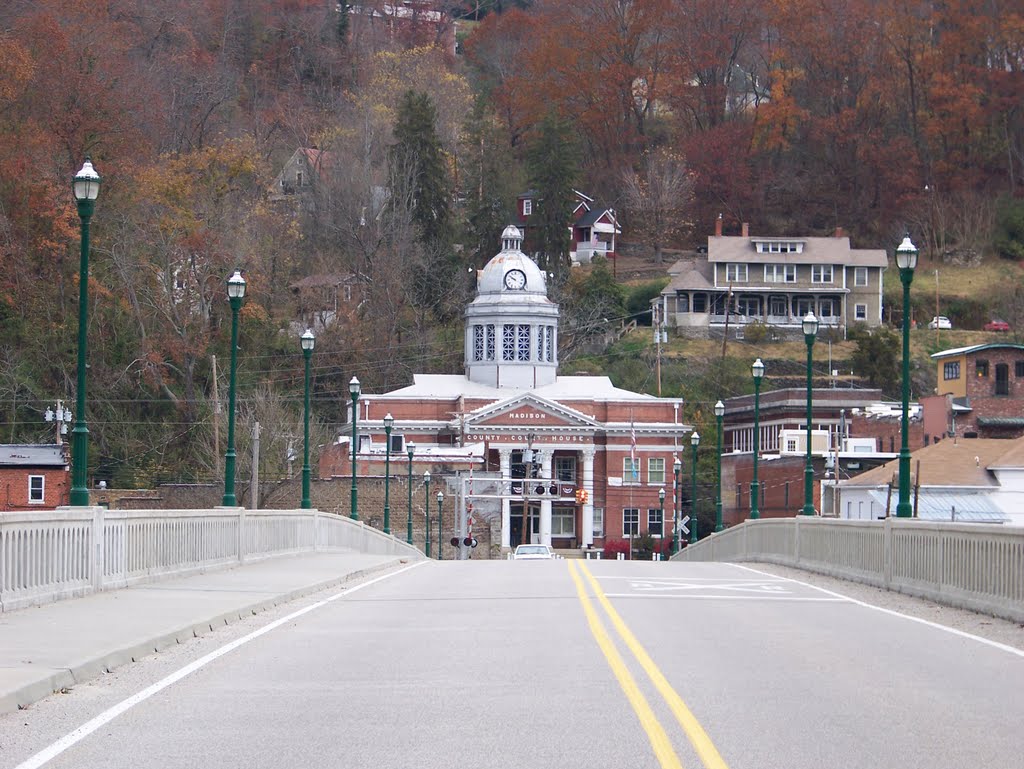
(254, 492)
(656, 322)
(936, 307)
(216, 421)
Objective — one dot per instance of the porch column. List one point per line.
(545, 505)
(588, 508)
(506, 473)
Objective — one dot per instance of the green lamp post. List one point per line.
(677, 503)
(426, 507)
(353, 390)
(440, 499)
(757, 370)
(661, 504)
(236, 293)
(694, 443)
(719, 413)
(86, 186)
(410, 450)
(810, 328)
(307, 340)
(389, 422)
(906, 260)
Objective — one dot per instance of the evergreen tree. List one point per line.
(490, 183)
(553, 161)
(419, 159)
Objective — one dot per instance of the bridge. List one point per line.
(304, 639)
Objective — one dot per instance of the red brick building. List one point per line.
(980, 392)
(571, 461)
(33, 477)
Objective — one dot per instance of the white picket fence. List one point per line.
(70, 552)
(973, 566)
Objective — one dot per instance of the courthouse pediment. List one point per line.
(528, 411)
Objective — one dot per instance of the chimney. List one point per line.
(745, 231)
(718, 226)
(840, 233)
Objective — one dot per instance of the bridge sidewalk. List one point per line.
(47, 648)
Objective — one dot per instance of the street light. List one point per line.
(906, 260)
(757, 370)
(719, 413)
(677, 466)
(389, 422)
(810, 327)
(353, 390)
(410, 450)
(661, 503)
(236, 293)
(440, 499)
(426, 507)
(308, 341)
(86, 186)
(694, 442)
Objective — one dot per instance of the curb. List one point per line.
(56, 680)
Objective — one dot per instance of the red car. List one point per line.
(997, 325)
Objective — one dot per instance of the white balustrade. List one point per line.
(973, 566)
(70, 552)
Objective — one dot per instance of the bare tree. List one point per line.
(658, 197)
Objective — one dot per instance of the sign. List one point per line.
(682, 524)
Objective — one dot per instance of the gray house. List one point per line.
(775, 281)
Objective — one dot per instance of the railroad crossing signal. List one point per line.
(682, 524)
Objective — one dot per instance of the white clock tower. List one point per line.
(511, 325)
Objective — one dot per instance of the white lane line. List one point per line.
(49, 753)
(929, 623)
(765, 598)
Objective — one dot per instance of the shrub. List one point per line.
(613, 547)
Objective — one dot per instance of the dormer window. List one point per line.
(779, 246)
(298, 179)
(527, 207)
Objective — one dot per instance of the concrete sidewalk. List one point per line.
(47, 648)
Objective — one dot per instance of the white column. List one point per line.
(588, 508)
(545, 505)
(506, 523)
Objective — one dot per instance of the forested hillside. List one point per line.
(795, 116)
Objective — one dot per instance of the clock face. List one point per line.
(515, 279)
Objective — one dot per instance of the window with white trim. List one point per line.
(656, 470)
(860, 312)
(780, 273)
(478, 342)
(527, 207)
(736, 273)
(563, 521)
(630, 470)
(654, 521)
(860, 276)
(397, 443)
(630, 521)
(598, 530)
(346, 293)
(821, 273)
(489, 341)
(951, 370)
(36, 489)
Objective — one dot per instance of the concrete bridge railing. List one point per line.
(972, 566)
(75, 551)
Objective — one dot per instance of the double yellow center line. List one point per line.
(659, 739)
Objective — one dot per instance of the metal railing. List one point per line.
(972, 566)
(75, 551)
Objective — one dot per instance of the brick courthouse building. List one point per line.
(597, 454)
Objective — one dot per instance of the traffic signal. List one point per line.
(582, 496)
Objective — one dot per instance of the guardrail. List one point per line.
(972, 566)
(70, 552)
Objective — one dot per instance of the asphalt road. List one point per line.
(551, 664)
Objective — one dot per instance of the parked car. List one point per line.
(533, 553)
(997, 324)
(940, 321)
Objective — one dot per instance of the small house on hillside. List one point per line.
(774, 281)
(592, 228)
(34, 476)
